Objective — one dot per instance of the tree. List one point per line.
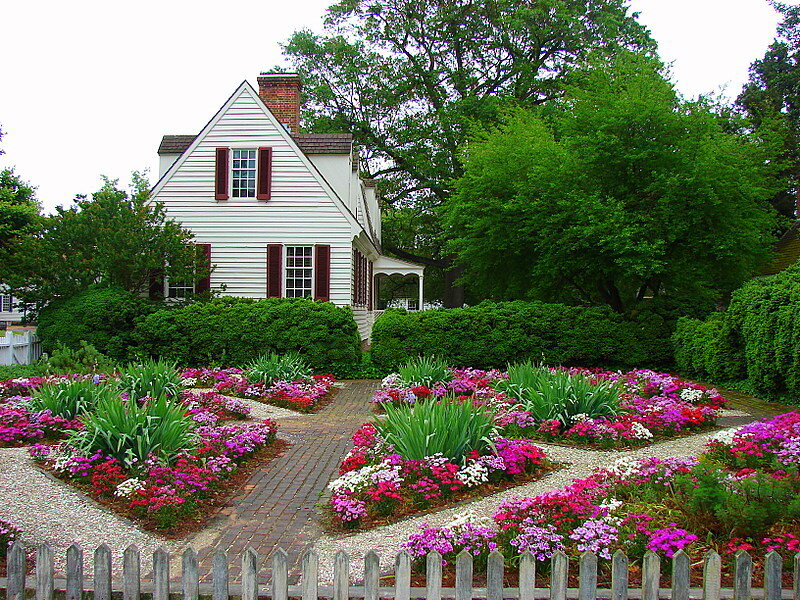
(19, 209)
(621, 192)
(113, 239)
(771, 99)
(409, 78)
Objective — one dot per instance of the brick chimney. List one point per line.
(281, 93)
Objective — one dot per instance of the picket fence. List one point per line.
(132, 586)
(19, 348)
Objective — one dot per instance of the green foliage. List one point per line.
(114, 238)
(492, 335)
(557, 395)
(619, 192)
(19, 209)
(71, 398)
(103, 317)
(151, 379)
(15, 371)
(84, 359)
(130, 432)
(426, 428)
(424, 370)
(409, 78)
(232, 331)
(284, 367)
(709, 349)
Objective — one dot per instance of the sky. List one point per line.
(93, 85)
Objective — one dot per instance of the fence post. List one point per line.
(131, 574)
(494, 576)
(15, 564)
(680, 576)
(558, 576)
(619, 576)
(280, 576)
(341, 576)
(74, 589)
(102, 573)
(402, 576)
(44, 572)
(160, 574)
(712, 573)
(433, 576)
(310, 576)
(527, 576)
(773, 573)
(219, 576)
(742, 575)
(190, 575)
(587, 576)
(464, 576)
(372, 575)
(651, 575)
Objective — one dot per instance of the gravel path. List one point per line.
(49, 511)
(386, 540)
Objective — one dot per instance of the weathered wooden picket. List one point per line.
(19, 348)
(132, 586)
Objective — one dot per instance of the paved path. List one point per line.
(277, 507)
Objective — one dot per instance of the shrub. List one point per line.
(492, 335)
(84, 359)
(424, 370)
(557, 395)
(232, 331)
(103, 317)
(282, 367)
(152, 379)
(708, 349)
(21, 371)
(70, 398)
(129, 432)
(431, 427)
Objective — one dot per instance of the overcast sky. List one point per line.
(91, 86)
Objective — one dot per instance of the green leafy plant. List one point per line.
(70, 398)
(426, 428)
(151, 378)
(130, 432)
(557, 395)
(83, 359)
(284, 367)
(424, 370)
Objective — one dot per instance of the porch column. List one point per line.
(421, 280)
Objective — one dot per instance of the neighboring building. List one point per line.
(9, 314)
(787, 251)
(278, 213)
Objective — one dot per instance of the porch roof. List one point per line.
(385, 265)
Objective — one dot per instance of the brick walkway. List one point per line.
(277, 507)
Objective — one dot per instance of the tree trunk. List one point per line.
(453, 293)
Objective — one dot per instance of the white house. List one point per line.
(9, 314)
(278, 213)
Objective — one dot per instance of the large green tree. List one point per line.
(409, 77)
(114, 238)
(19, 209)
(771, 99)
(620, 192)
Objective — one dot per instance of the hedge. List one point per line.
(233, 331)
(757, 338)
(103, 316)
(491, 335)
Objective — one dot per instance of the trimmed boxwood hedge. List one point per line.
(233, 331)
(102, 316)
(491, 335)
(757, 338)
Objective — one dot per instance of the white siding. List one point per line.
(300, 212)
(364, 320)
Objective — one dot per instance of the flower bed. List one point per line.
(162, 494)
(653, 407)
(306, 395)
(377, 485)
(742, 493)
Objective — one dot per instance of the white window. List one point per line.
(299, 271)
(5, 303)
(179, 290)
(243, 175)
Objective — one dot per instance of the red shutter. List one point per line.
(221, 174)
(204, 283)
(156, 288)
(322, 272)
(369, 286)
(274, 270)
(264, 185)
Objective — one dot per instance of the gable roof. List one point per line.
(310, 143)
(787, 251)
(246, 88)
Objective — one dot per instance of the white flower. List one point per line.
(640, 432)
(724, 437)
(468, 517)
(358, 480)
(579, 417)
(473, 473)
(392, 380)
(128, 487)
(691, 395)
(625, 467)
(189, 382)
